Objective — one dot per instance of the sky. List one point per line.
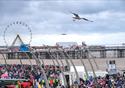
(48, 19)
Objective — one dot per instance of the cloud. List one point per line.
(90, 39)
(54, 18)
(13, 7)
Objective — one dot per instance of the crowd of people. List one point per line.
(34, 78)
(33, 74)
(109, 81)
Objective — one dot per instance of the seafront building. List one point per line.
(100, 56)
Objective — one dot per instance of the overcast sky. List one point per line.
(48, 19)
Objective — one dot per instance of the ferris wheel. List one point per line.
(17, 29)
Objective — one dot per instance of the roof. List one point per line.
(67, 44)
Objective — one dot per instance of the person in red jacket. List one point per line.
(26, 84)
